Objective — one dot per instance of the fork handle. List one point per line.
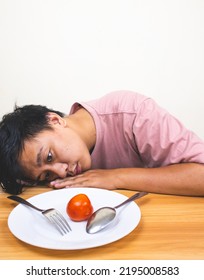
(23, 201)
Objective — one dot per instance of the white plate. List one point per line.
(31, 226)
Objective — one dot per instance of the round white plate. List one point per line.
(32, 227)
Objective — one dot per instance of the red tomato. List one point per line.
(79, 208)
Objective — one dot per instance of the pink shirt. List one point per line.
(133, 131)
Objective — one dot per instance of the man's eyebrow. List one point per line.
(39, 158)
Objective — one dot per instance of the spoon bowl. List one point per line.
(102, 217)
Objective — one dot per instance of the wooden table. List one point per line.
(171, 228)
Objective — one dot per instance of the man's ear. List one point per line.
(55, 119)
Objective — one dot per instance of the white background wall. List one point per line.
(54, 52)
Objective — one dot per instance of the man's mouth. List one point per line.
(76, 171)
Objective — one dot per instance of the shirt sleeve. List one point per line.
(162, 139)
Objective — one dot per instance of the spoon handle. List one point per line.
(133, 197)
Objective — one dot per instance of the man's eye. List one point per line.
(47, 175)
(49, 157)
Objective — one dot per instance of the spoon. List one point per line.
(102, 217)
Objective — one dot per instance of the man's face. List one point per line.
(55, 153)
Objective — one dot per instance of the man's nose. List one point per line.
(71, 169)
(61, 169)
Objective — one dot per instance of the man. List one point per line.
(122, 140)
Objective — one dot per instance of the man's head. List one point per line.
(23, 124)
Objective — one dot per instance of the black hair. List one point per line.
(22, 124)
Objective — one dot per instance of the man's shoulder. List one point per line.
(121, 100)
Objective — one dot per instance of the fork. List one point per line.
(53, 215)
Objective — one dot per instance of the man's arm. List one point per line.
(177, 179)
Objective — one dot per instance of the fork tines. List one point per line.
(57, 219)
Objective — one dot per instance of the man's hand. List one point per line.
(97, 178)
